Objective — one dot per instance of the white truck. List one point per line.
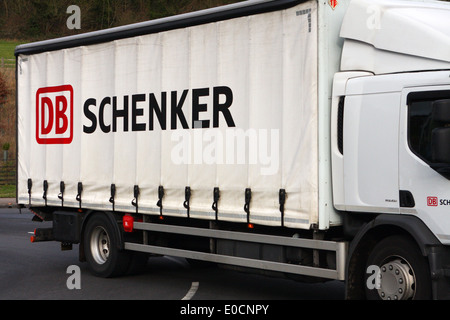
(301, 138)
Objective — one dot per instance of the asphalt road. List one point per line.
(41, 271)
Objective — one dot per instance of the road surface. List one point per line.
(42, 271)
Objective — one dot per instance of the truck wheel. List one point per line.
(101, 243)
(404, 272)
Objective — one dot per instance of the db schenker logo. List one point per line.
(435, 201)
(54, 115)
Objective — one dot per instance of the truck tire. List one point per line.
(101, 243)
(404, 271)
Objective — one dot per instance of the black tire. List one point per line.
(101, 245)
(405, 274)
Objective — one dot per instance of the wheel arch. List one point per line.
(382, 226)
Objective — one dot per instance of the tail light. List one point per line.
(128, 223)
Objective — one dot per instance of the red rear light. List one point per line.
(33, 237)
(128, 223)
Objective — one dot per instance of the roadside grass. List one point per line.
(7, 119)
(7, 191)
(7, 48)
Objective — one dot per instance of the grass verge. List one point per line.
(7, 191)
(7, 48)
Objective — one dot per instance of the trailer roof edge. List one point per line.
(226, 12)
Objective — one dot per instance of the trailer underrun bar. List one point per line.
(339, 247)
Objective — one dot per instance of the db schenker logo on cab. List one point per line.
(54, 115)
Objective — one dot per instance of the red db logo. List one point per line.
(54, 115)
(432, 201)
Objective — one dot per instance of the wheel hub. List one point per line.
(100, 245)
(397, 280)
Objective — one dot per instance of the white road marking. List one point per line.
(192, 291)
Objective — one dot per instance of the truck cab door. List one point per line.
(424, 167)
